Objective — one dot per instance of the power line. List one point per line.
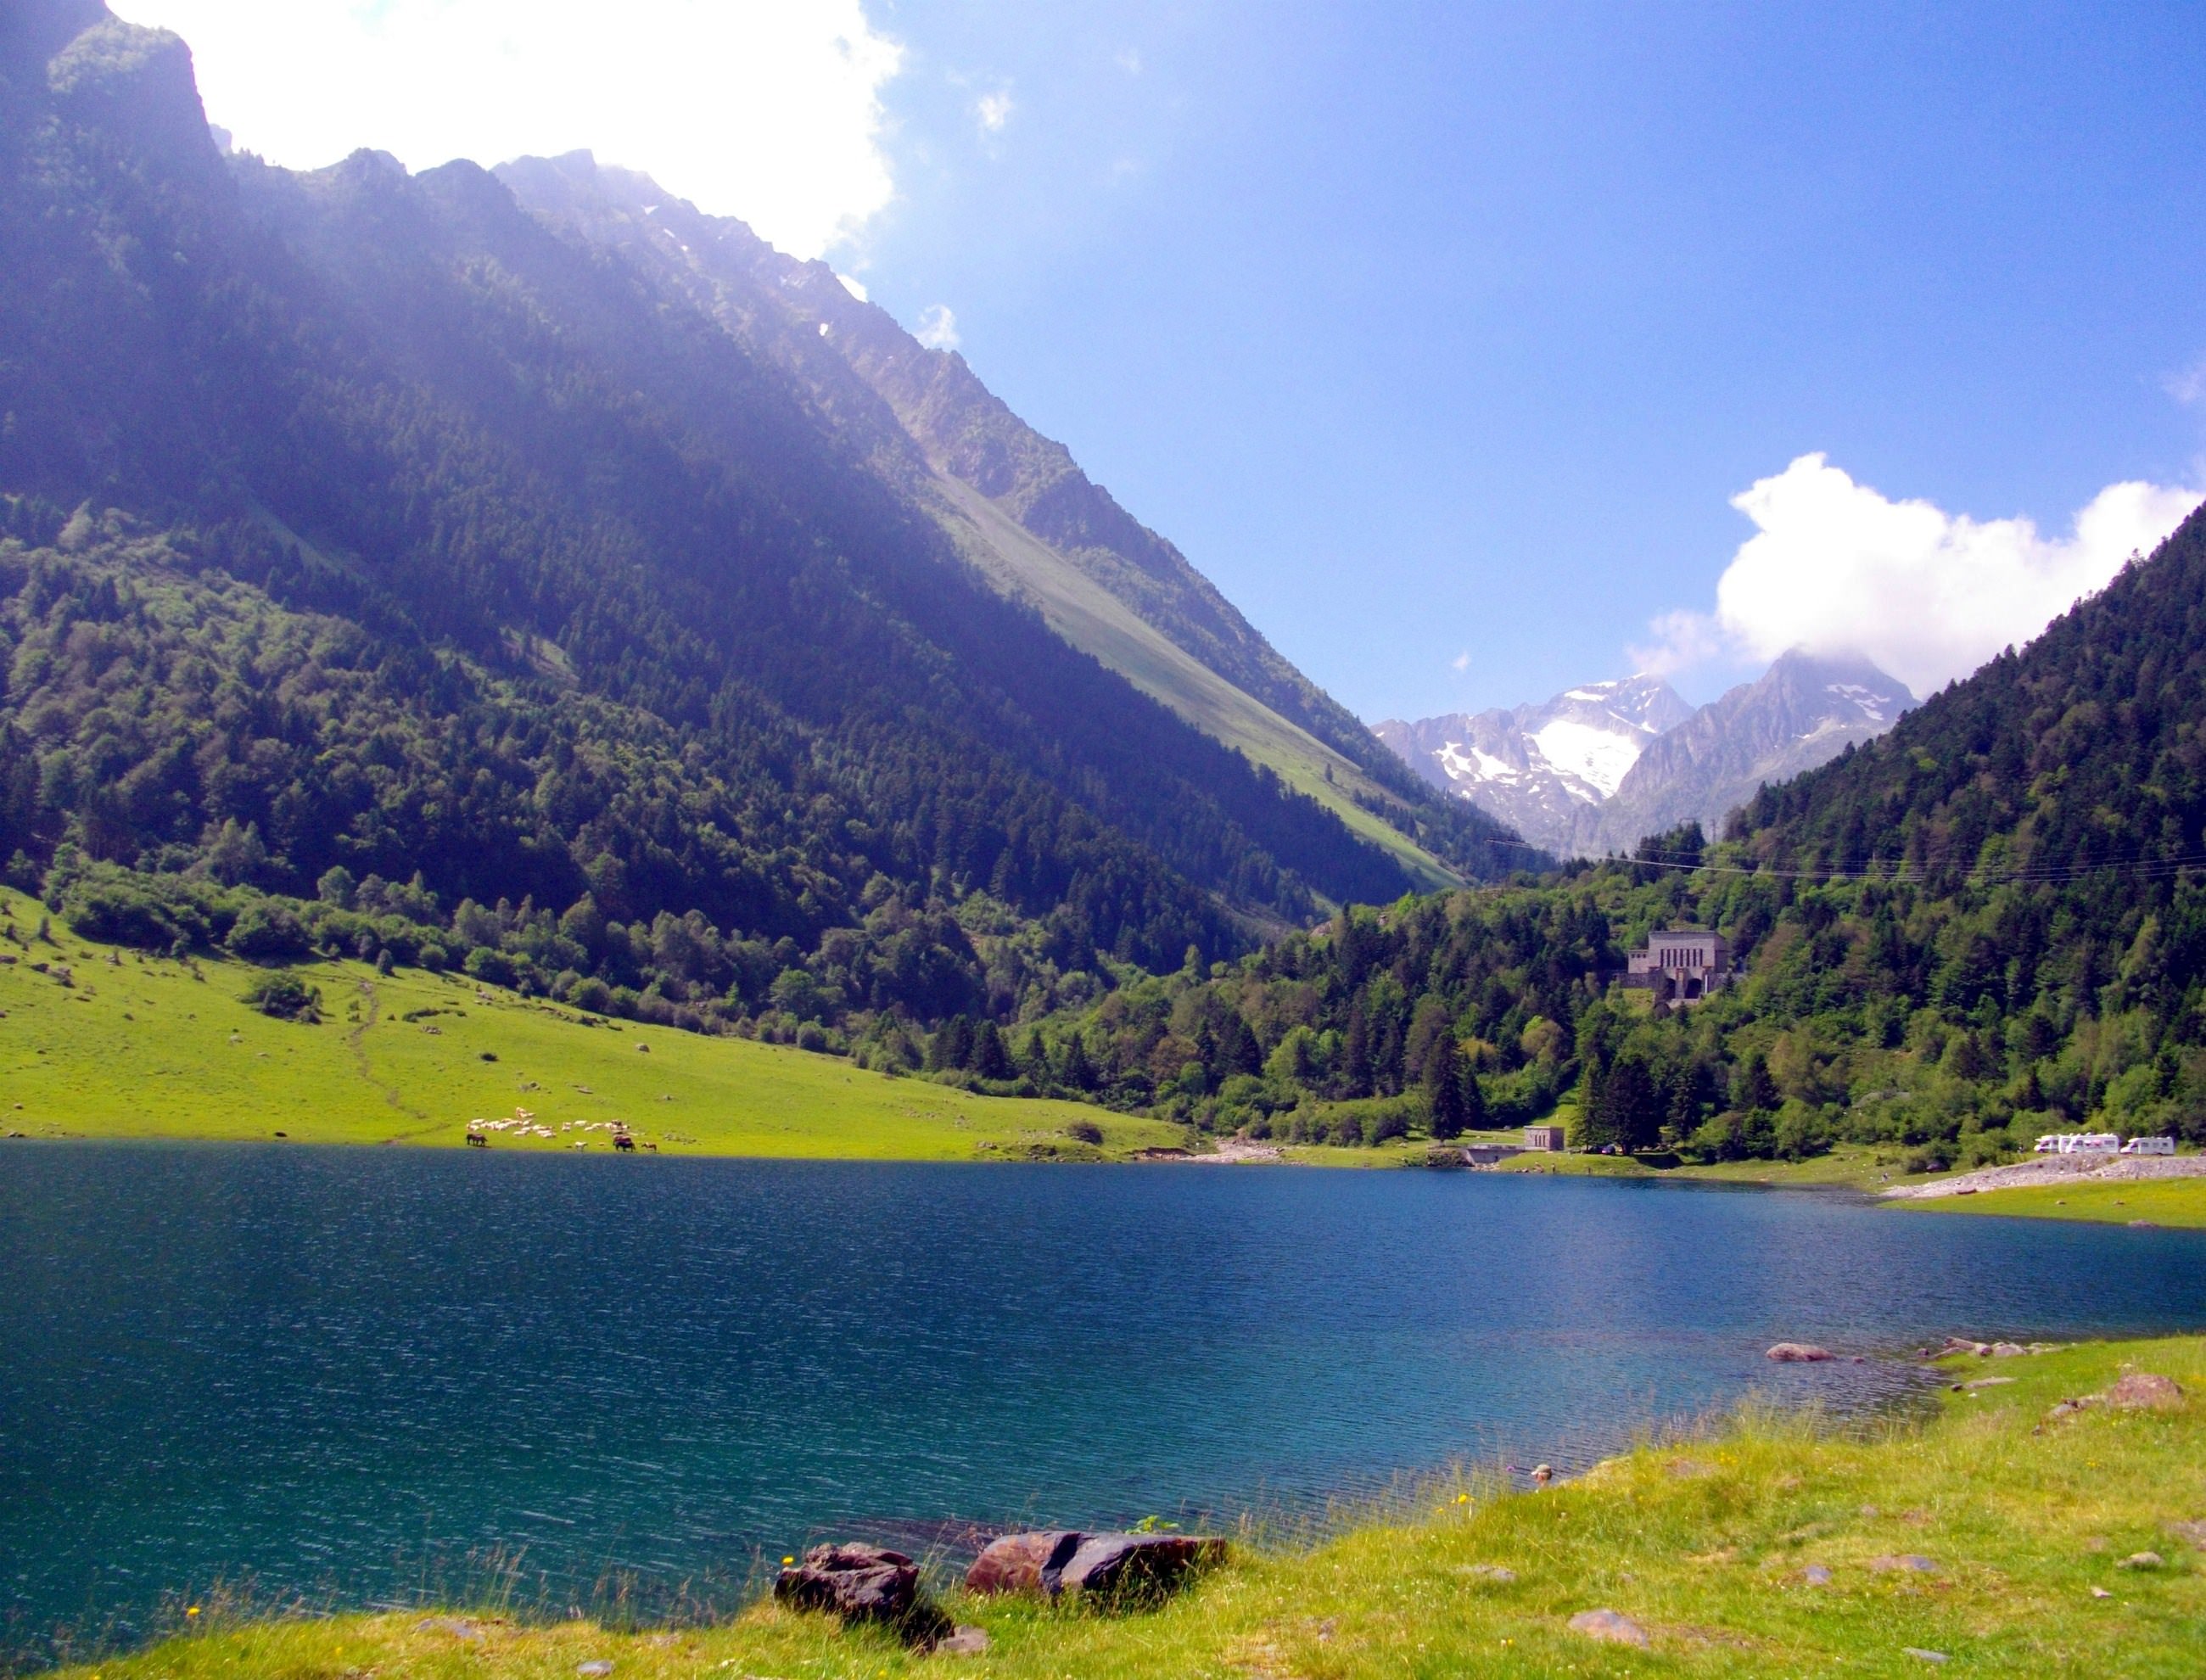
(2045, 874)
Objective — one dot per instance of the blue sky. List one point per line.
(1435, 330)
(1444, 337)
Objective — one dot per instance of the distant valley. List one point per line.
(1598, 767)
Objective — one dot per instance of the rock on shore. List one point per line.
(1051, 1561)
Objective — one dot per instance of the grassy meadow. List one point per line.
(136, 1045)
(1990, 1540)
(2157, 1202)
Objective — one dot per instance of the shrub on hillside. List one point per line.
(285, 997)
(265, 932)
(118, 912)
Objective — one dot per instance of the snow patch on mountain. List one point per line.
(1573, 775)
(1593, 757)
(1545, 770)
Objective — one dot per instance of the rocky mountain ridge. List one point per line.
(1599, 766)
(1015, 503)
(1546, 770)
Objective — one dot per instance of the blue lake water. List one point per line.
(359, 1374)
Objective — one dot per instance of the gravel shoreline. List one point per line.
(2055, 1168)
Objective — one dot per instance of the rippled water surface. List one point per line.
(358, 1374)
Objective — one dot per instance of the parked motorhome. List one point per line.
(2149, 1146)
(2079, 1143)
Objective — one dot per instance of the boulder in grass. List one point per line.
(2143, 1391)
(1610, 1625)
(1111, 1567)
(1799, 1353)
(860, 1583)
(1026, 1563)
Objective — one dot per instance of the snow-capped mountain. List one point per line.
(1598, 767)
(1547, 769)
(1802, 712)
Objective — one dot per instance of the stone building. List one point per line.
(1680, 966)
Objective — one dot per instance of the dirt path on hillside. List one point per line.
(356, 1041)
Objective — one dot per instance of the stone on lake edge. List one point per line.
(860, 1583)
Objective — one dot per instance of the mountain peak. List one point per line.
(1543, 769)
(1597, 766)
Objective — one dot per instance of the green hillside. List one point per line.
(1018, 507)
(1988, 925)
(1089, 617)
(362, 522)
(136, 1045)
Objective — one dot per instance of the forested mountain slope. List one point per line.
(2085, 751)
(1013, 502)
(362, 528)
(1989, 923)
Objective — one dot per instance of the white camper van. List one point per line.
(2080, 1143)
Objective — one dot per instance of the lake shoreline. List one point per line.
(2013, 1530)
(122, 1045)
(2179, 1181)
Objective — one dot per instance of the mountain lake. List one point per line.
(381, 1376)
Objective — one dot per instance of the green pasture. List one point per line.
(2158, 1201)
(138, 1045)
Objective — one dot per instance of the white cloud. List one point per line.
(1837, 568)
(1461, 662)
(993, 111)
(1683, 639)
(938, 328)
(1129, 61)
(2189, 386)
(751, 108)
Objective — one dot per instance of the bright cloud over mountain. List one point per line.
(751, 108)
(1836, 566)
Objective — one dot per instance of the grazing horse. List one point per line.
(623, 1140)
(477, 1141)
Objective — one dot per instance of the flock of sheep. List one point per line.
(524, 1123)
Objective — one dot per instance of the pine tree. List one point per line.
(952, 1047)
(1447, 1111)
(1077, 1073)
(1033, 1060)
(1631, 1104)
(1237, 1050)
(1753, 1087)
(1356, 1053)
(990, 1059)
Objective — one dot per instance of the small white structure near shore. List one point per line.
(1543, 1137)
